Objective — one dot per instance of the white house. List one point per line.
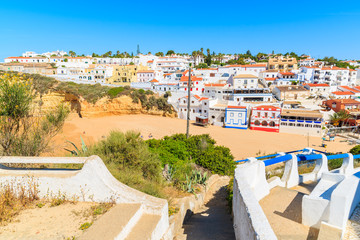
(236, 117)
(195, 106)
(322, 89)
(244, 81)
(145, 75)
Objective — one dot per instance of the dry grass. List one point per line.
(15, 197)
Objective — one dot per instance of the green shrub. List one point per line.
(113, 92)
(178, 151)
(335, 163)
(229, 189)
(24, 129)
(129, 160)
(218, 160)
(355, 150)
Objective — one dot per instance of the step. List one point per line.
(144, 228)
(116, 223)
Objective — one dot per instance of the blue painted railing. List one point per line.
(280, 159)
(277, 158)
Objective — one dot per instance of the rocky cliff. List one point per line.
(122, 105)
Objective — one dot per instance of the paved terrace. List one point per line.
(282, 208)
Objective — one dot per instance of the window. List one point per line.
(264, 123)
(258, 115)
(266, 114)
(231, 114)
(257, 123)
(192, 101)
(272, 124)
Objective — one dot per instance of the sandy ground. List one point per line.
(60, 222)
(243, 143)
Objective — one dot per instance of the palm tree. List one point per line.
(338, 119)
(195, 55)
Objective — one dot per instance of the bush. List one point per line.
(199, 149)
(24, 129)
(113, 92)
(355, 150)
(218, 160)
(129, 159)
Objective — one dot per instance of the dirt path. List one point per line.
(213, 220)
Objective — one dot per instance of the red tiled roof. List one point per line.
(342, 93)
(350, 89)
(270, 79)
(154, 80)
(287, 73)
(200, 98)
(193, 78)
(146, 71)
(318, 85)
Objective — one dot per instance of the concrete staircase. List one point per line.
(352, 231)
(124, 221)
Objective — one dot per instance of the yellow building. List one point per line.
(283, 64)
(126, 74)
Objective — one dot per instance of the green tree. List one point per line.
(159, 54)
(208, 57)
(339, 118)
(72, 53)
(170, 52)
(202, 65)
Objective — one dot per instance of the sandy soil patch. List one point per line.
(243, 143)
(60, 222)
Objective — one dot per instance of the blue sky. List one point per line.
(317, 27)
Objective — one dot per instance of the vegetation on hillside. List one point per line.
(336, 62)
(92, 93)
(151, 165)
(25, 129)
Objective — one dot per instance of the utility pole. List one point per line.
(188, 105)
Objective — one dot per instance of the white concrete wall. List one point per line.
(250, 221)
(93, 182)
